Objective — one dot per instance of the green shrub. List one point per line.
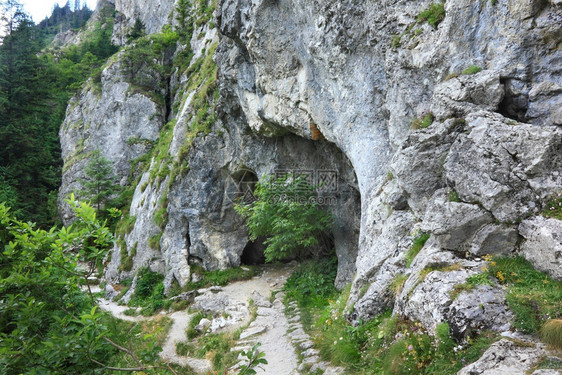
(285, 212)
(313, 282)
(418, 243)
(433, 15)
(149, 292)
(473, 69)
(147, 282)
(423, 121)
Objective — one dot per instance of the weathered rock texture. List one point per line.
(334, 85)
(152, 14)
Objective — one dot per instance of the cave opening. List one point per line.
(253, 254)
(515, 102)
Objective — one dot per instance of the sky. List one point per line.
(39, 9)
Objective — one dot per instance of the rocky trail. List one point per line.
(282, 339)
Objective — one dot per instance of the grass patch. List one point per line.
(127, 256)
(215, 347)
(471, 283)
(548, 363)
(191, 331)
(221, 277)
(417, 245)
(389, 344)
(398, 283)
(533, 296)
(125, 225)
(454, 196)
(154, 241)
(551, 333)
(433, 15)
(386, 344)
(473, 69)
(553, 208)
(423, 121)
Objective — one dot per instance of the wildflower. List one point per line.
(500, 276)
(410, 347)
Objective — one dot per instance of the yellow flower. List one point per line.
(500, 276)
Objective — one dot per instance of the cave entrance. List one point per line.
(245, 182)
(253, 253)
(516, 100)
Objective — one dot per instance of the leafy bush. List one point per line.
(149, 292)
(285, 212)
(313, 282)
(254, 359)
(433, 15)
(43, 311)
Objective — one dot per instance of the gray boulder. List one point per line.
(484, 307)
(453, 224)
(461, 95)
(430, 300)
(508, 169)
(506, 357)
(543, 244)
(494, 239)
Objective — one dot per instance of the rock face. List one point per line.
(153, 15)
(111, 118)
(331, 88)
(506, 357)
(543, 245)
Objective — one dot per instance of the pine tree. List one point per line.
(100, 183)
(137, 31)
(29, 147)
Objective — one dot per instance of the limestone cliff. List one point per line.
(325, 85)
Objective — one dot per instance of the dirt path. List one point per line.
(178, 334)
(269, 328)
